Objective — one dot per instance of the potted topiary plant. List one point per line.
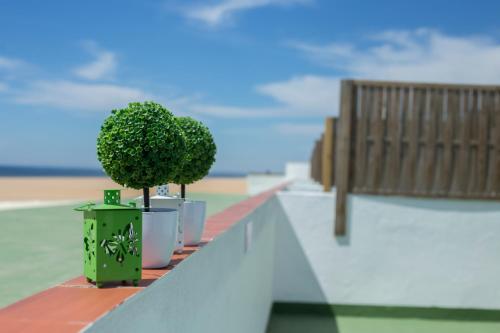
(198, 159)
(142, 146)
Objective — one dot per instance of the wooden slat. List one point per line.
(362, 102)
(395, 132)
(378, 139)
(449, 114)
(370, 151)
(313, 161)
(413, 136)
(432, 104)
(483, 105)
(405, 135)
(327, 155)
(496, 147)
(311, 164)
(314, 167)
(473, 148)
(320, 158)
(318, 161)
(343, 159)
(464, 144)
(316, 158)
(334, 147)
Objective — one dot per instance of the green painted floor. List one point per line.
(42, 247)
(367, 322)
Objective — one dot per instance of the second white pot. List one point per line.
(159, 236)
(194, 221)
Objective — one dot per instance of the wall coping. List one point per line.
(75, 304)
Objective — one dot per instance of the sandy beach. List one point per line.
(46, 189)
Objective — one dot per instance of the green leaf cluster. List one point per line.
(141, 146)
(200, 151)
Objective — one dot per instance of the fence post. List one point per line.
(334, 147)
(320, 158)
(328, 155)
(343, 156)
(312, 170)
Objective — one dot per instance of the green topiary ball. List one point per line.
(200, 151)
(141, 146)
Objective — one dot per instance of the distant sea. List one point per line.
(40, 171)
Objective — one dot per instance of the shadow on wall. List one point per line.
(344, 240)
(433, 204)
(303, 284)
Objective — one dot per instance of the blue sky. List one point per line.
(262, 74)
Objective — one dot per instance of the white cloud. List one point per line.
(219, 12)
(70, 94)
(308, 95)
(331, 55)
(11, 69)
(299, 129)
(418, 55)
(10, 63)
(300, 96)
(103, 67)
(79, 96)
(224, 111)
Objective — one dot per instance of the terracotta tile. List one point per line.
(208, 237)
(76, 282)
(213, 227)
(13, 326)
(216, 226)
(62, 308)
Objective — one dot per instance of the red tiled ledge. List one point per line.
(74, 304)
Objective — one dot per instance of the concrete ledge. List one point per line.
(75, 304)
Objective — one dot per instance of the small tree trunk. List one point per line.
(183, 191)
(145, 192)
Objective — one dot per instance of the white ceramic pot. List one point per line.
(162, 201)
(159, 236)
(194, 221)
(159, 201)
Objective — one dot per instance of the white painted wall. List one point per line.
(402, 252)
(398, 251)
(221, 288)
(297, 171)
(261, 182)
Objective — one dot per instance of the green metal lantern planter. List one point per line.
(112, 240)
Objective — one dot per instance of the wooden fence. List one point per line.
(316, 160)
(322, 158)
(427, 140)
